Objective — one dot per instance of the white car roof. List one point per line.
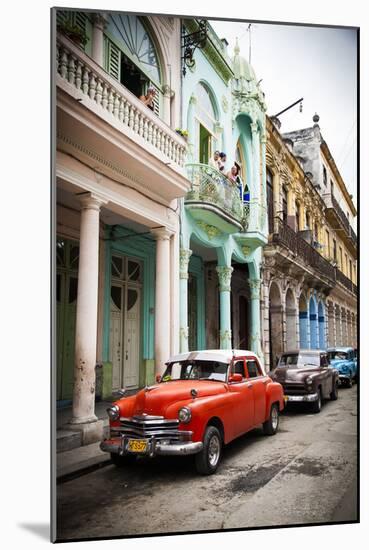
(221, 355)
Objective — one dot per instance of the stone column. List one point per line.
(162, 298)
(99, 23)
(86, 322)
(255, 316)
(184, 258)
(225, 335)
(263, 198)
(254, 224)
(265, 311)
(168, 94)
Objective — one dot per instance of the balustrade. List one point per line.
(81, 72)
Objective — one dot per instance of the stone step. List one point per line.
(67, 440)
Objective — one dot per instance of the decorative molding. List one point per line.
(254, 285)
(184, 258)
(168, 91)
(210, 230)
(183, 333)
(246, 250)
(162, 233)
(224, 274)
(225, 105)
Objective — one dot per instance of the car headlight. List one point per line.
(113, 412)
(184, 415)
(309, 380)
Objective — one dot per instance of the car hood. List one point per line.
(339, 363)
(156, 399)
(288, 374)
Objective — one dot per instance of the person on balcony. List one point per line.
(148, 99)
(222, 161)
(214, 162)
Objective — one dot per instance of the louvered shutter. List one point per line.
(157, 99)
(80, 20)
(113, 60)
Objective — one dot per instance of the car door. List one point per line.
(242, 404)
(257, 383)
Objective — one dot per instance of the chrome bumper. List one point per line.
(309, 397)
(344, 377)
(119, 446)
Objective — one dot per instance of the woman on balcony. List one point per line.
(148, 99)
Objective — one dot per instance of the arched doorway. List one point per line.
(303, 322)
(321, 324)
(291, 340)
(313, 324)
(275, 324)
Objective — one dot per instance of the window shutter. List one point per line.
(157, 99)
(113, 60)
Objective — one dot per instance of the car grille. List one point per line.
(294, 389)
(150, 426)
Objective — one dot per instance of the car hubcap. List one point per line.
(274, 418)
(214, 450)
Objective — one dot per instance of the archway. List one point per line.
(349, 328)
(291, 313)
(331, 322)
(344, 326)
(321, 324)
(339, 340)
(275, 324)
(313, 324)
(303, 322)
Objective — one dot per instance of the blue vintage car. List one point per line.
(344, 360)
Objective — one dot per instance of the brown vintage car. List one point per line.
(306, 376)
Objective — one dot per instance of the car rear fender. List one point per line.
(274, 394)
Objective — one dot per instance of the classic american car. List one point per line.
(203, 400)
(344, 360)
(306, 376)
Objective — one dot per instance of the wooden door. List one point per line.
(132, 339)
(116, 332)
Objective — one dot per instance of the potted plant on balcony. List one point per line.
(183, 133)
(73, 32)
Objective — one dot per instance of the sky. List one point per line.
(316, 63)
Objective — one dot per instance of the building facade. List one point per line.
(309, 267)
(223, 225)
(120, 170)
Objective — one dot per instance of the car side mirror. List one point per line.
(158, 378)
(236, 377)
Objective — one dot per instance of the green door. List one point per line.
(66, 302)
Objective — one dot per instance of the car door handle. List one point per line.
(250, 386)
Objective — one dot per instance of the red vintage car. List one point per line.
(204, 400)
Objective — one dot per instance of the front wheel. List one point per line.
(270, 427)
(208, 459)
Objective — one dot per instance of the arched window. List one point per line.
(206, 122)
(241, 161)
(131, 57)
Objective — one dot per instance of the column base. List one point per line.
(91, 431)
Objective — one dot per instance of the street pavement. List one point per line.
(306, 473)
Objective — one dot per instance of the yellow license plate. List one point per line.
(137, 445)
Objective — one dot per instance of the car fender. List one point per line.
(273, 394)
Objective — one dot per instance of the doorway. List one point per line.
(125, 321)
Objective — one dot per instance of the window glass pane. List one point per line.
(73, 285)
(134, 270)
(116, 266)
(60, 252)
(204, 107)
(74, 256)
(252, 369)
(116, 294)
(131, 298)
(239, 368)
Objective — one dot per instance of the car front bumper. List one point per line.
(119, 446)
(344, 377)
(306, 398)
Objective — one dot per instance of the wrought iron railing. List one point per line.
(332, 203)
(212, 187)
(345, 281)
(287, 237)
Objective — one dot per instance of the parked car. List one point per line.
(344, 360)
(203, 400)
(306, 377)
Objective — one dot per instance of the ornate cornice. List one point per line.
(210, 230)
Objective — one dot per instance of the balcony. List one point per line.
(102, 123)
(346, 282)
(303, 251)
(339, 220)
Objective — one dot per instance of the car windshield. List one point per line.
(337, 355)
(196, 370)
(299, 360)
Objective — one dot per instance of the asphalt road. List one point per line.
(306, 473)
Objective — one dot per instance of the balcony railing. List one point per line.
(287, 237)
(341, 278)
(82, 77)
(212, 187)
(332, 204)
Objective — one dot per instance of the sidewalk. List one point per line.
(71, 457)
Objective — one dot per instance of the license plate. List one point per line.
(137, 445)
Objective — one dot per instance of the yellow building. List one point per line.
(309, 268)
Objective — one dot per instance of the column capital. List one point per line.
(254, 288)
(162, 233)
(91, 201)
(224, 274)
(254, 128)
(99, 20)
(184, 258)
